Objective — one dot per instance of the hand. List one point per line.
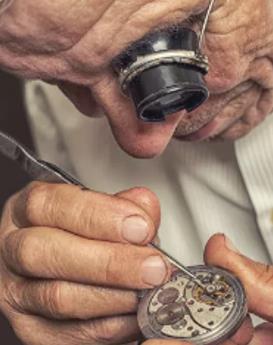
(256, 277)
(258, 282)
(72, 44)
(71, 260)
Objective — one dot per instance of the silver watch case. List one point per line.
(182, 310)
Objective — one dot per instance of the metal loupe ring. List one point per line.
(183, 57)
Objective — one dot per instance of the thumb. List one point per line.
(263, 335)
(257, 278)
(164, 342)
(145, 199)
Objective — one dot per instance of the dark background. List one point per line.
(13, 121)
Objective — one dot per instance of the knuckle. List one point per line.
(105, 331)
(266, 275)
(53, 298)
(101, 207)
(35, 199)
(111, 262)
(11, 299)
(87, 217)
(21, 255)
(88, 212)
(101, 331)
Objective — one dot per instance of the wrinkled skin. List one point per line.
(75, 41)
(69, 275)
(71, 43)
(68, 271)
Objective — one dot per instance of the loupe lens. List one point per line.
(169, 85)
(167, 89)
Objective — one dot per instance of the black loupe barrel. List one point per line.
(166, 85)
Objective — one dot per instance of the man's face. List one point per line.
(240, 79)
(72, 43)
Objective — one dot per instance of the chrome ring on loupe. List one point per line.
(143, 63)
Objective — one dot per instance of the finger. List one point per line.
(56, 254)
(83, 212)
(263, 335)
(67, 301)
(146, 199)
(244, 335)
(165, 342)
(256, 277)
(116, 330)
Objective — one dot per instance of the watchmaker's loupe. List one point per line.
(164, 73)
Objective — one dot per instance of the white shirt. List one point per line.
(203, 188)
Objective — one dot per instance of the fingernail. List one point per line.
(229, 244)
(154, 271)
(135, 229)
